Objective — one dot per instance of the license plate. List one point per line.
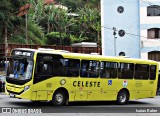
(11, 95)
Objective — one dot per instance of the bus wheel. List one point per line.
(59, 98)
(122, 97)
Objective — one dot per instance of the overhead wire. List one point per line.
(125, 32)
(150, 3)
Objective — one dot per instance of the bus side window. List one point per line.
(108, 69)
(44, 68)
(57, 68)
(69, 67)
(90, 68)
(105, 73)
(73, 68)
(153, 69)
(142, 71)
(125, 70)
(84, 70)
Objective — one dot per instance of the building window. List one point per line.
(153, 33)
(153, 10)
(154, 55)
(122, 54)
(120, 9)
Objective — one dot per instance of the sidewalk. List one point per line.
(2, 93)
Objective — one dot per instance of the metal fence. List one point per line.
(86, 50)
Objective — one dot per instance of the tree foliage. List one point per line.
(48, 24)
(8, 18)
(16, 25)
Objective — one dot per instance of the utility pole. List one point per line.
(114, 34)
(6, 43)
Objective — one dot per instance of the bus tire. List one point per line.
(59, 98)
(122, 97)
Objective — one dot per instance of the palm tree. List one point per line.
(85, 27)
(89, 20)
(64, 21)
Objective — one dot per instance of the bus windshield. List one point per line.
(20, 69)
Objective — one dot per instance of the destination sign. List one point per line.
(22, 53)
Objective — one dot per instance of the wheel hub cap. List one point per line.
(123, 98)
(59, 98)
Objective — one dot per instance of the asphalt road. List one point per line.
(151, 105)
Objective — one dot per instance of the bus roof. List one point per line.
(86, 56)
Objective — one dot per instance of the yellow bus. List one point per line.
(62, 77)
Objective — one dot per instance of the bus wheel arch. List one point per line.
(123, 96)
(60, 97)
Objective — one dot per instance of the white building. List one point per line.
(140, 22)
(150, 29)
(120, 21)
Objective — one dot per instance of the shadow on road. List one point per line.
(95, 103)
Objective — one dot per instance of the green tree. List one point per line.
(73, 5)
(8, 18)
(51, 19)
(89, 23)
(13, 27)
(83, 27)
(92, 4)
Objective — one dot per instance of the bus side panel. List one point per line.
(108, 89)
(43, 90)
(33, 96)
(41, 95)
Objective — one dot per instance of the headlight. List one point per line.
(26, 87)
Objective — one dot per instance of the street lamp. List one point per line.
(114, 34)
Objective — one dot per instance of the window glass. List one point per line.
(45, 67)
(153, 33)
(125, 70)
(108, 69)
(141, 71)
(20, 69)
(152, 72)
(154, 55)
(69, 67)
(54, 65)
(90, 68)
(153, 10)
